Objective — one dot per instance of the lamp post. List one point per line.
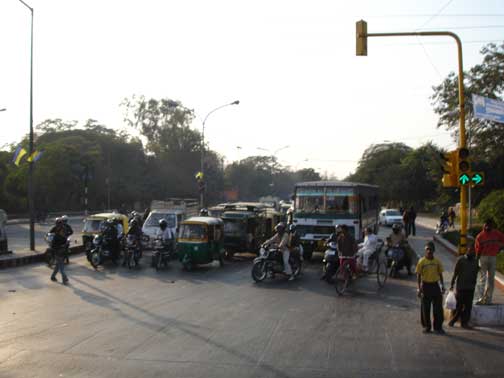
(30, 163)
(202, 167)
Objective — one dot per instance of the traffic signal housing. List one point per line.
(450, 169)
(361, 41)
(463, 166)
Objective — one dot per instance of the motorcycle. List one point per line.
(162, 254)
(330, 262)
(441, 227)
(396, 259)
(132, 253)
(270, 262)
(102, 250)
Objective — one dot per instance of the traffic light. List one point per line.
(463, 166)
(450, 169)
(361, 35)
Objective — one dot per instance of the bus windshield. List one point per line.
(327, 200)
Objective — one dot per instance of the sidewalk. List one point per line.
(448, 253)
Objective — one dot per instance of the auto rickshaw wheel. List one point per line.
(221, 261)
(188, 266)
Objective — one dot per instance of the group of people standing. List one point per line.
(481, 257)
(409, 218)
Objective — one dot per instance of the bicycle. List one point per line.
(348, 267)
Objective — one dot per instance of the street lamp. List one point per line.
(202, 168)
(30, 163)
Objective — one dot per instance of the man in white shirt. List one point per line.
(367, 248)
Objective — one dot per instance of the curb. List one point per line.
(499, 280)
(34, 258)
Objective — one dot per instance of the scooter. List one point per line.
(270, 262)
(330, 262)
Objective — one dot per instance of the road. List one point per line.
(19, 234)
(216, 322)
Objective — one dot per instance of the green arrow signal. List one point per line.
(464, 179)
(476, 179)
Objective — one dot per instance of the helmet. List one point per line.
(163, 223)
(292, 227)
(58, 221)
(280, 227)
(204, 212)
(396, 227)
(64, 218)
(338, 228)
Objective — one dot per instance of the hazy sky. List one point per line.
(291, 64)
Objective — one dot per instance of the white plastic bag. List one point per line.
(450, 301)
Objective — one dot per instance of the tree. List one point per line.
(381, 165)
(485, 138)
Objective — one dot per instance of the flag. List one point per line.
(18, 155)
(34, 156)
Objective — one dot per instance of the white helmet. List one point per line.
(64, 218)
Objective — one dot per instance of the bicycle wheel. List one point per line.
(341, 280)
(381, 273)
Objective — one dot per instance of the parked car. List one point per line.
(388, 217)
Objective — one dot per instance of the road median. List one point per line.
(14, 259)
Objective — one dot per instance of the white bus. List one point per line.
(321, 205)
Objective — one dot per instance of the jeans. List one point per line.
(488, 265)
(59, 266)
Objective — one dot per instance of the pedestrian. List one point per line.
(465, 275)
(347, 247)
(429, 277)
(412, 217)
(406, 223)
(488, 243)
(59, 247)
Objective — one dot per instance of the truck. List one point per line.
(173, 210)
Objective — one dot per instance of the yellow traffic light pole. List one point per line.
(362, 35)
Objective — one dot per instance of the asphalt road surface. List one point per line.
(216, 322)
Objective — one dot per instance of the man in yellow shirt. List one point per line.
(429, 274)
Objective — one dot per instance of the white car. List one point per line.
(388, 217)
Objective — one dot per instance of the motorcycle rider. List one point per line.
(397, 238)
(347, 247)
(333, 261)
(444, 221)
(67, 227)
(294, 242)
(165, 234)
(281, 239)
(109, 232)
(136, 231)
(367, 248)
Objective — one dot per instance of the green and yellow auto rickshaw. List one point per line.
(200, 240)
(93, 223)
